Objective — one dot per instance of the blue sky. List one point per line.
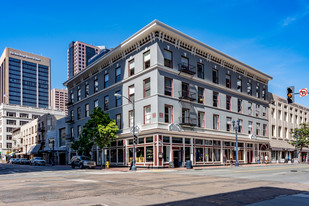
(271, 36)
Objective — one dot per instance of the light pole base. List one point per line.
(236, 164)
(133, 168)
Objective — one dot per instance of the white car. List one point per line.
(37, 161)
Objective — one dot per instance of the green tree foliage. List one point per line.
(303, 139)
(99, 129)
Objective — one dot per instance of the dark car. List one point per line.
(82, 162)
(17, 161)
(37, 161)
(24, 161)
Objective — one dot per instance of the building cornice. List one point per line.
(158, 30)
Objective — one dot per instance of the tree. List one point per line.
(303, 139)
(99, 129)
(107, 134)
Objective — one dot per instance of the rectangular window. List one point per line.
(87, 110)
(240, 126)
(86, 90)
(118, 120)
(131, 118)
(239, 105)
(118, 99)
(265, 130)
(118, 75)
(228, 103)
(200, 95)
(185, 116)
(168, 86)
(258, 129)
(184, 63)
(78, 113)
(131, 93)
(131, 67)
(106, 80)
(149, 154)
(249, 108)
(228, 81)
(215, 76)
(147, 87)
(264, 93)
(185, 90)
(72, 132)
(96, 86)
(168, 114)
(146, 60)
(257, 110)
(249, 88)
(79, 93)
(228, 124)
(200, 70)
(215, 99)
(239, 85)
(201, 119)
(147, 114)
(11, 122)
(257, 91)
(216, 122)
(249, 127)
(168, 58)
(96, 103)
(106, 102)
(79, 130)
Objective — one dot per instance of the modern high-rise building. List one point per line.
(78, 55)
(59, 99)
(24, 79)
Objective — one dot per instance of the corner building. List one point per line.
(177, 82)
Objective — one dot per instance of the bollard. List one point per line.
(107, 164)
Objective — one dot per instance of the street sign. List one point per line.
(303, 92)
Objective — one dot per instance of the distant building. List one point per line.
(78, 55)
(59, 99)
(24, 79)
(283, 119)
(15, 116)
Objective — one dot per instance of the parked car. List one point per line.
(82, 162)
(17, 161)
(24, 161)
(37, 161)
(11, 161)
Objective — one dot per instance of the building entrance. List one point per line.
(177, 158)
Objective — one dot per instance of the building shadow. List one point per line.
(236, 198)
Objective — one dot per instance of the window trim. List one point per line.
(172, 114)
(144, 109)
(144, 59)
(144, 91)
(217, 79)
(172, 88)
(218, 123)
(203, 70)
(129, 69)
(170, 60)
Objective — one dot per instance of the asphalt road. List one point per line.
(258, 185)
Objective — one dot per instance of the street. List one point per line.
(273, 184)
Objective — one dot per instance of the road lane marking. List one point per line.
(281, 168)
(82, 180)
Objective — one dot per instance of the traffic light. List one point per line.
(290, 94)
(135, 139)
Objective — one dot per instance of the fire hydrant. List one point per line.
(107, 164)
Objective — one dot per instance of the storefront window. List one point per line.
(166, 139)
(216, 155)
(227, 144)
(140, 154)
(166, 153)
(198, 141)
(141, 140)
(120, 155)
(130, 154)
(187, 141)
(187, 153)
(199, 154)
(130, 141)
(208, 142)
(113, 155)
(149, 139)
(120, 143)
(177, 140)
(217, 143)
(208, 154)
(149, 154)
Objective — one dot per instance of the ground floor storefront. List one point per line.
(173, 150)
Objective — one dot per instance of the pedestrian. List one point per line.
(231, 160)
(266, 159)
(224, 160)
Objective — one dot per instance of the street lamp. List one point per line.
(133, 103)
(236, 128)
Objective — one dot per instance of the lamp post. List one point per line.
(236, 128)
(133, 103)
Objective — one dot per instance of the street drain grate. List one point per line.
(293, 170)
